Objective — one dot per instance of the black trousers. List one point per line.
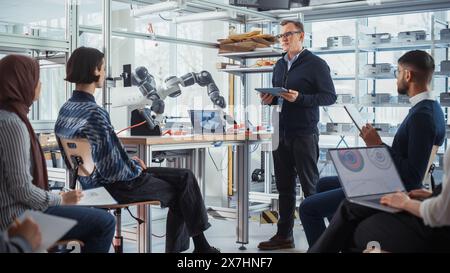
(354, 226)
(174, 188)
(294, 157)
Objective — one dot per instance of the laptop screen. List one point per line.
(366, 171)
(207, 121)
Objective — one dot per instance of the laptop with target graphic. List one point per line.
(366, 174)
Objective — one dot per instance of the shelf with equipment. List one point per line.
(243, 65)
(423, 41)
(367, 89)
(360, 82)
(239, 71)
(261, 53)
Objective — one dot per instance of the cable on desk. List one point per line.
(133, 126)
(254, 149)
(214, 162)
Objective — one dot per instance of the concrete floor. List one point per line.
(222, 234)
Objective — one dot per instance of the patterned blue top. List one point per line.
(81, 117)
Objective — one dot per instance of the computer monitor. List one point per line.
(207, 121)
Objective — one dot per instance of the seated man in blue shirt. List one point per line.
(129, 180)
(423, 127)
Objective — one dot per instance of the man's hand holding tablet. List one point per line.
(274, 91)
(367, 132)
(266, 98)
(370, 136)
(267, 94)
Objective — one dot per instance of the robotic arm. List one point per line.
(147, 86)
(156, 96)
(203, 78)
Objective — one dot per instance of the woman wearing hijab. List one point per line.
(23, 172)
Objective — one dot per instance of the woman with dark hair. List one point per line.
(129, 180)
(23, 171)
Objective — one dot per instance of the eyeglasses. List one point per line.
(287, 34)
(397, 71)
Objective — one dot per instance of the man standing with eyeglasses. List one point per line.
(308, 79)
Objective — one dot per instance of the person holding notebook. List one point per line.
(23, 172)
(422, 128)
(21, 237)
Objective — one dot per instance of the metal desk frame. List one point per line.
(241, 174)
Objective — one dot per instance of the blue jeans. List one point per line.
(316, 207)
(95, 227)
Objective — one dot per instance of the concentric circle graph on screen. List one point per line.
(379, 158)
(351, 159)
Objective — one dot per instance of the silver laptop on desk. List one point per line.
(366, 174)
(207, 121)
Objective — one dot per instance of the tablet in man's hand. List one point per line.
(274, 91)
(356, 117)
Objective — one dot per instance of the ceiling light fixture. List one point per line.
(158, 7)
(206, 16)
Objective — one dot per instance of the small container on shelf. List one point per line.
(379, 98)
(403, 99)
(380, 69)
(444, 99)
(445, 34)
(412, 36)
(344, 98)
(333, 127)
(382, 127)
(445, 67)
(339, 41)
(376, 39)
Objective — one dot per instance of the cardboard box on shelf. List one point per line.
(244, 42)
(237, 47)
(332, 127)
(403, 99)
(339, 41)
(445, 66)
(445, 99)
(227, 65)
(376, 38)
(344, 98)
(382, 127)
(377, 69)
(445, 34)
(412, 36)
(379, 98)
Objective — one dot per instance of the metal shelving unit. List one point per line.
(258, 53)
(365, 53)
(430, 44)
(248, 70)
